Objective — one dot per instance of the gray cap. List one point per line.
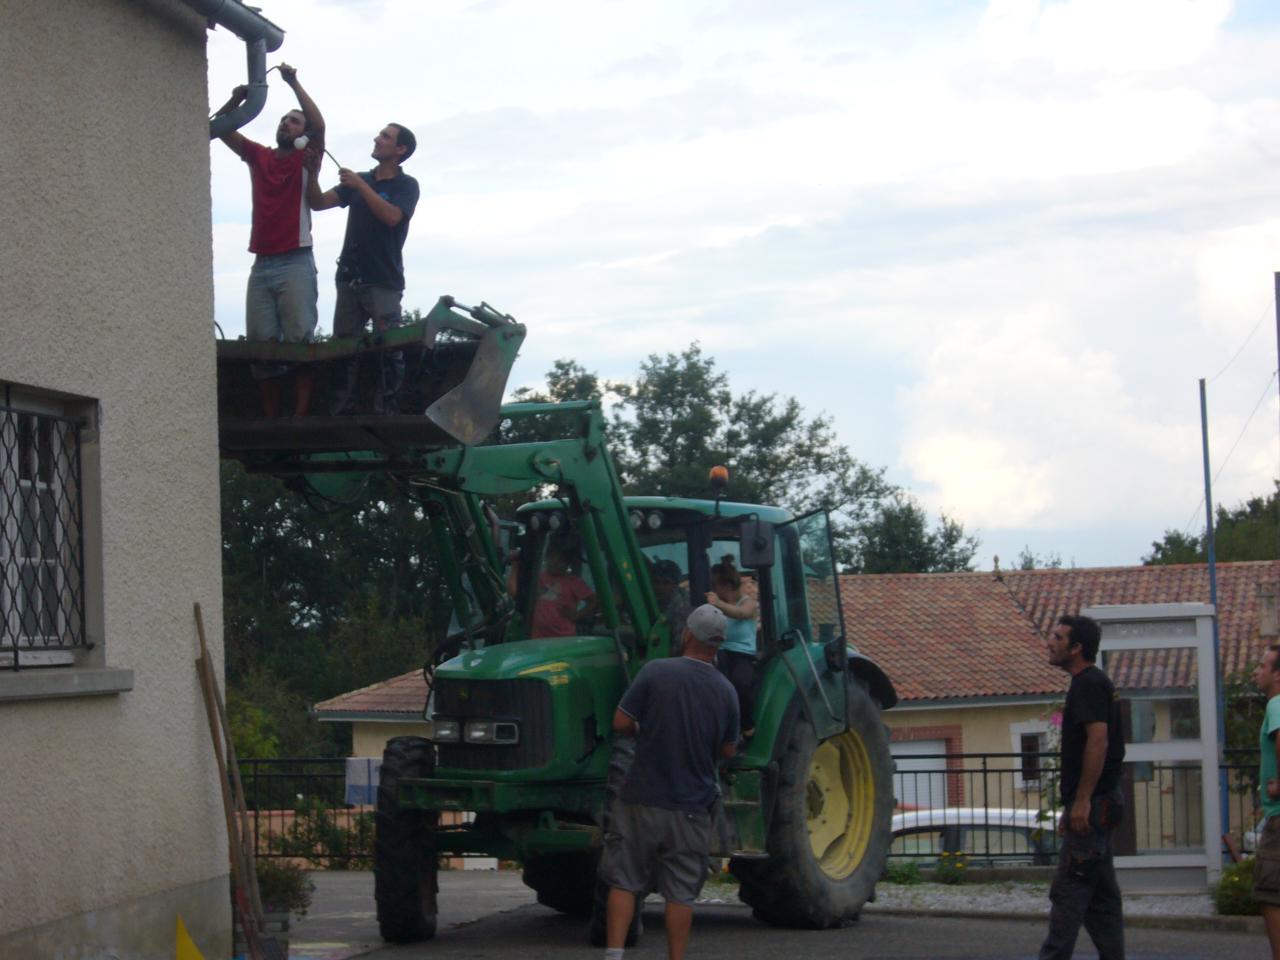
(707, 624)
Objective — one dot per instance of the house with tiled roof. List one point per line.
(966, 653)
(392, 708)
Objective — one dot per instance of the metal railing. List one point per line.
(41, 539)
(1004, 807)
(996, 808)
(298, 810)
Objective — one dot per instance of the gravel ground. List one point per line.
(1003, 897)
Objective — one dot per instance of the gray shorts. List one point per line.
(648, 848)
(356, 305)
(1266, 866)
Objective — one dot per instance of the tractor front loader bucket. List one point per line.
(455, 367)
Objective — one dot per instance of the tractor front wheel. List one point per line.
(404, 869)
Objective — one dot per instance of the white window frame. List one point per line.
(1016, 732)
(79, 667)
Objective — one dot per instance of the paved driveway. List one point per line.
(493, 915)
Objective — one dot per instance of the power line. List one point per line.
(1222, 466)
(1266, 312)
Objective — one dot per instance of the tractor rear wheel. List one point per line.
(404, 870)
(831, 825)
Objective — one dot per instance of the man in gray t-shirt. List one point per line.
(684, 715)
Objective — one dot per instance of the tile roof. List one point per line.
(398, 698)
(947, 636)
(962, 635)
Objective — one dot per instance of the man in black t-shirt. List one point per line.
(684, 715)
(370, 277)
(1084, 889)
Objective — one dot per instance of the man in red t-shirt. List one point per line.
(280, 302)
(563, 597)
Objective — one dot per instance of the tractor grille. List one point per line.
(527, 702)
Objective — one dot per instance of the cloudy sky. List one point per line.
(997, 243)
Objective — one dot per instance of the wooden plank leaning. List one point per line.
(239, 836)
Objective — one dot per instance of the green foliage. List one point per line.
(1244, 532)
(951, 869)
(284, 886)
(903, 872)
(317, 604)
(680, 417)
(897, 539)
(317, 835)
(1243, 715)
(1030, 560)
(251, 728)
(1233, 894)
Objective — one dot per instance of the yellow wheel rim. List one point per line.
(840, 803)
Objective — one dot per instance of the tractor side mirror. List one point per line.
(755, 546)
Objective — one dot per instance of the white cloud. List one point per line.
(1121, 36)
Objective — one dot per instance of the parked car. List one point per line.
(988, 837)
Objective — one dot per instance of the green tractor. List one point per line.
(519, 734)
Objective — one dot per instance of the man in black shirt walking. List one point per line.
(1084, 889)
(371, 266)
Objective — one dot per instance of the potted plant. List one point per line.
(284, 889)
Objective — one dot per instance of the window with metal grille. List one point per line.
(41, 538)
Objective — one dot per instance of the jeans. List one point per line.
(1084, 889)
(280, 302)
(356, 305)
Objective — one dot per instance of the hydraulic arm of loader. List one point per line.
(457, 361)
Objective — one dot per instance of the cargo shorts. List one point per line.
(1266, 866)
(648, 848)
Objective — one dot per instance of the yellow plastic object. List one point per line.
(840, 801)
(187, 949)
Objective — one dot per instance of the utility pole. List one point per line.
(1275, 492)
(1223, 809)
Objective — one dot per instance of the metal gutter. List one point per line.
(260, 36)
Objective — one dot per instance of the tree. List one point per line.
(319, 603)
(1030, 560)
(680, 417)
(1244, 532)
(897, 539)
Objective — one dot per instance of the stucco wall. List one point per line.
(369, 739)
(977, 729)
(106, 293)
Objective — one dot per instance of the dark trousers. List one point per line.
(356, 305)
(1084, 889)
(740, 669)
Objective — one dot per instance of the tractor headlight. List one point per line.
(445, 731)
(491, 731)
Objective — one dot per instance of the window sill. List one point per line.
(49, 684)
